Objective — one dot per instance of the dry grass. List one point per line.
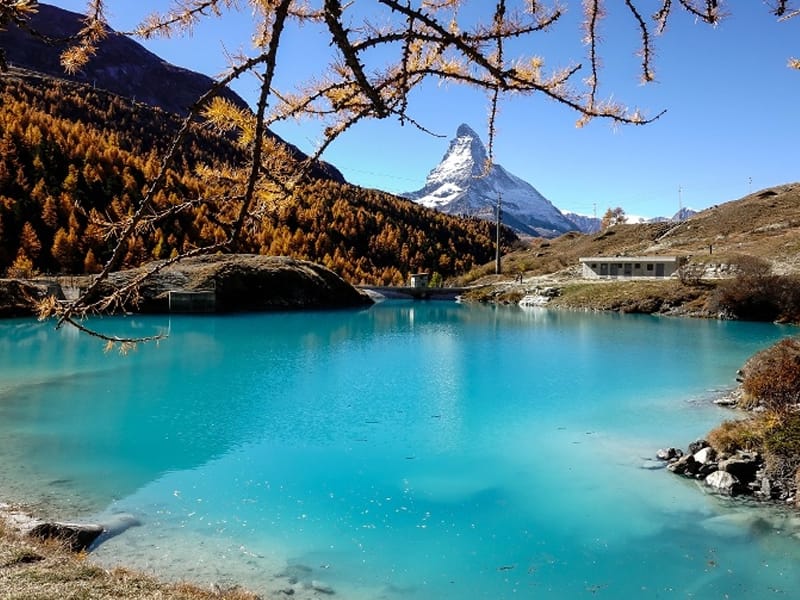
(658, 296)
(765, 224)
(31, 570)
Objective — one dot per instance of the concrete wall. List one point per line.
(192, 302)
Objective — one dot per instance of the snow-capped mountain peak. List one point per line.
(465, 159)
(463, 183)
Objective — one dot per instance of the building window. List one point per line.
(637, 266)
(594, 265)
(649, 267)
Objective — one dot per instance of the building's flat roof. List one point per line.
(628, 259)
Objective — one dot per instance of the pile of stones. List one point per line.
(740, 473)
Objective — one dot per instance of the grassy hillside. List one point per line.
(743, 261)
(765, 224)
(74, 160)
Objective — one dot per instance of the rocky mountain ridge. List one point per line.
(121, 65)
(462, 184)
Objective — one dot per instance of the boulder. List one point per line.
(669, 453)
(240, 282)
(697, 445)
(723, 482)
(706, 469)
(685, 465)
(705, 455)
(77, 536)
(743, 466)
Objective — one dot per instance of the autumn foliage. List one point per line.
(75, 162)
(772, 377)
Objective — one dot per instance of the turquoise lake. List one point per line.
(409, 450)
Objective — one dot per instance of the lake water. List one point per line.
(410, 450)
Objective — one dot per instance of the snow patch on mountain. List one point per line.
(679, 216)
(585, 223)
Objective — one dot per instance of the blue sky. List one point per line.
(732, 123)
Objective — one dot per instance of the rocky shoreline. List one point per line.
(77, 537)
(45, 537)
(741, 473)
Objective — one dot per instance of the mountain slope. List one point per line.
(73, 157)
(459, 184)
(765, 224)
(585, 223)
(121, 66)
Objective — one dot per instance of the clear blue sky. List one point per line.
(732, 124)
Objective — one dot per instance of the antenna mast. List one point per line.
(497, 266)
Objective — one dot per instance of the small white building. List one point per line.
(605, 267)
(419, 280)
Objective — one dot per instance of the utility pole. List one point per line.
(497, 267)
(680, 204)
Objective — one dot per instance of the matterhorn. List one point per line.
(462, 184)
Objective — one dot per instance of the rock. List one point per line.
(322, 588)
(242, 282)
(669, 453)
(78, 536)
(766, 488)
(743, 466)
(696, 446)
(18, 298)
(685, 465)
(733, 524)
(706, 469)
(723, 482)
(728, 401)
(705, 455)
(652, 465)
(115, 525)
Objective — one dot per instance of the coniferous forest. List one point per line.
(75, 161)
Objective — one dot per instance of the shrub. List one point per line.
(755, 294)
(782, 448)
(751, 267)
(772, 377)
(731, 436)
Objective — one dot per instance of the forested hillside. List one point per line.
(74, 161)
